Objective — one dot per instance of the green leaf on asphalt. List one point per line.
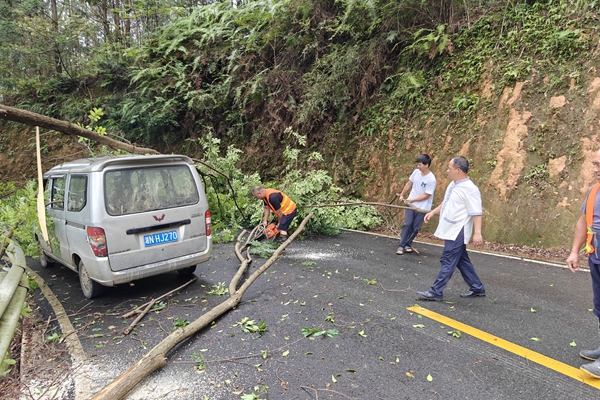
(536, 339)
(285, 353)
(410, 375)
(333, 379)
(264, 353)
(456, 333)
(381, 358)
(532, 309)
(419, 326)
(429, 378)
(573, 344)
(362, 333)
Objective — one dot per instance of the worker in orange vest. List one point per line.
(280, 204)
(586, 233)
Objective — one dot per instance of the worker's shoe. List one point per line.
(280, 238)
(592, 369)
(428, 296)
(408, 249)
(591, 355)
(472, 293)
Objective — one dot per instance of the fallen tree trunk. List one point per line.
(408, 206)
(157, 357)
(34, 119)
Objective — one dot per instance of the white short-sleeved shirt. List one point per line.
(422, 184)
(462, 202)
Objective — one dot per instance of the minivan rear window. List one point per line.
(136, 190)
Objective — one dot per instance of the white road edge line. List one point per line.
(531, 260)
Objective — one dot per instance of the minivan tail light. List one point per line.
(97, 240)
(208, 223)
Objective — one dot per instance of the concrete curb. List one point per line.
(79, 364)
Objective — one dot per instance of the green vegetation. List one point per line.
(238, 86)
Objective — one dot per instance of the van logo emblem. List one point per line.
(159, 218)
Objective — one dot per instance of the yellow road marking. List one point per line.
(511, 347)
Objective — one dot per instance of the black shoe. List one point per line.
(471, 293)
(428, 296)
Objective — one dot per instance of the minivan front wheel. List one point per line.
(45, 261)
(89, 287)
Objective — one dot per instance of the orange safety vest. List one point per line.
(589, 218)
(287, 205)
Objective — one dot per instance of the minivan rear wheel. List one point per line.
(45, 261)
(187, 272)
(90, 287)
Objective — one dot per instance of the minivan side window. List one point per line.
(57, 193)
(135, 190)
(77, 193)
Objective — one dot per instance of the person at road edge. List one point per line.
(280, 204)
(421, 185)
(460, 217)
(586, 230)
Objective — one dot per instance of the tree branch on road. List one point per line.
(157, 357)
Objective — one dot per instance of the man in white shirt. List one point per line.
(421, 184)
(460, 217)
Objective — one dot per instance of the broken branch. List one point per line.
(66, 127)
(139, 317)
(156, 358)
(139, 309)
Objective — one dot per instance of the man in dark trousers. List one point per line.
(460, 217)
(421, 186)
(281, 205)
(586, 229)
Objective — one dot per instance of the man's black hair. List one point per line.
(424, 159)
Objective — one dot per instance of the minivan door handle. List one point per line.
(158, 227)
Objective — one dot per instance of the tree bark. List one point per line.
(66, 127)
(157, 357)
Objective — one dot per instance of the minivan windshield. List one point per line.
(136, 190)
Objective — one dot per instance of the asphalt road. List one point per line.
(356, 284)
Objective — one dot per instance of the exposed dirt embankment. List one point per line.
(529, 150)
(17, 146)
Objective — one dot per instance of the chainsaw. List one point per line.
(271, 230)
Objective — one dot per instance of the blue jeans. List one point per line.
(455, 256)
(413, 221)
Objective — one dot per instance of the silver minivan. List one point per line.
(118, 219)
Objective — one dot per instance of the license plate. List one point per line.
(160, 238)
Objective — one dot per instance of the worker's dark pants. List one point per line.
(455, 256)
(594, 264)
(413, 221)
(286, 220)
